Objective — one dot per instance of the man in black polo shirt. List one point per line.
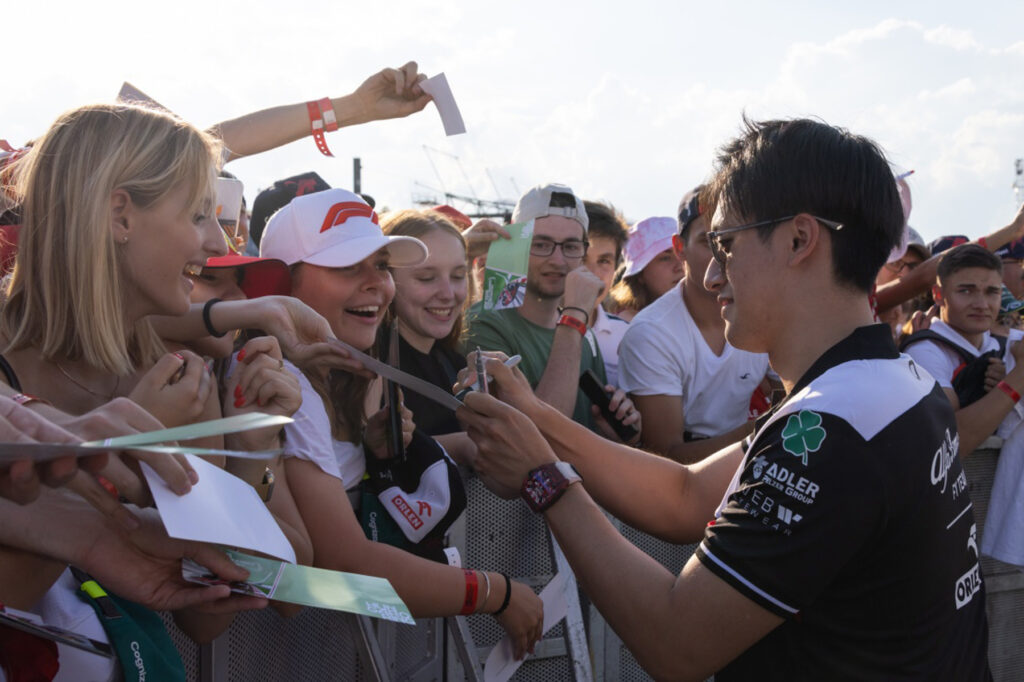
(838, 541)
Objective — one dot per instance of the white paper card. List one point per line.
(437, 87)
(501, 663)
(221, 509)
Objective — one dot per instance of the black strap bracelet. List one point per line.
(586, 315)
(206, 319)
(508, 596)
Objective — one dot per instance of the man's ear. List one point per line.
(937, 294)
(678, 247)
(803, 236)
(120, 208)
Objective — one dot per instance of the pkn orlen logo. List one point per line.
(344, 210)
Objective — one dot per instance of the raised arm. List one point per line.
(559, 385)
(923, 276)
(390, 93)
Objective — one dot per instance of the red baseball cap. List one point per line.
(260, 276)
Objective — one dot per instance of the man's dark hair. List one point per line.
(780, 168)
(605, 221)
(967, 256)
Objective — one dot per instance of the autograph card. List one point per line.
(505, 274)
(309, 586)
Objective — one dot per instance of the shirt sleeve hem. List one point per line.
(719, 567)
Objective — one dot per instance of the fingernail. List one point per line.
(241, 355)
(127, 519)
(240, 401)
(193, 477)
(180, 356)
(238, 391)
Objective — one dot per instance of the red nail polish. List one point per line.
(241, 355)
(238, 391)
(180, 356)
(240, 401)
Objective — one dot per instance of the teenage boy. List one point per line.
(968, 292)
(692, 388)
(844, 545)
(607, 236)
(551, 336)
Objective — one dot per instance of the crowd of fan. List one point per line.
(129, 308)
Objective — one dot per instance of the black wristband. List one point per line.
(586, 315)
(508, 596)
(206, 319)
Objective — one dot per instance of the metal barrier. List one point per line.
(504, 535)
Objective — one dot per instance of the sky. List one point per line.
(624, 102)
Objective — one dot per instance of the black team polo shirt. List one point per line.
(850, 518)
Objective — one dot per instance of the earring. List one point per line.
(125, 240)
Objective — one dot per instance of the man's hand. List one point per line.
(582, 288)
(509, 444)
(481, 235)
(391, 93)
(624, 410)
(508, 385)
(994, 373)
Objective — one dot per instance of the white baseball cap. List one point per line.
(551, 199)
(647, 239)
(333, 228)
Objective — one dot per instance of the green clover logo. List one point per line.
(803, 434)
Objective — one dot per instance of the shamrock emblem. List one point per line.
(803, 434)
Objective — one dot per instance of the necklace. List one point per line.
(85, 388)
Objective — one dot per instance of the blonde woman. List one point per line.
(117, 213)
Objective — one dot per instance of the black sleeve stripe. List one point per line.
(749, 589)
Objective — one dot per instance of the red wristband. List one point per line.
(25, 399)
(327, 114)
(570, 321)
(1008, 390)
(316, 124)
(469, 603)
(983, 243)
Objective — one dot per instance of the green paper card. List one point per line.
(308, 586)
(507, 262)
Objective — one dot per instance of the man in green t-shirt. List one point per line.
(555, 342)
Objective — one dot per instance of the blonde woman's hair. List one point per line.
(66, 295)
(412, 223)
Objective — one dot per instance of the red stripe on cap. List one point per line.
(341, 212)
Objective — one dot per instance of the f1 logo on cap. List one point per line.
(339, 213)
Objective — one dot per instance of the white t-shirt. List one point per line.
(941, 362)
(664, 353)
(309, 437)
(609, 331)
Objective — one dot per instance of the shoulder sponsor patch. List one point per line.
(803, 434)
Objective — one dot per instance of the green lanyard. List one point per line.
(144, 649)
